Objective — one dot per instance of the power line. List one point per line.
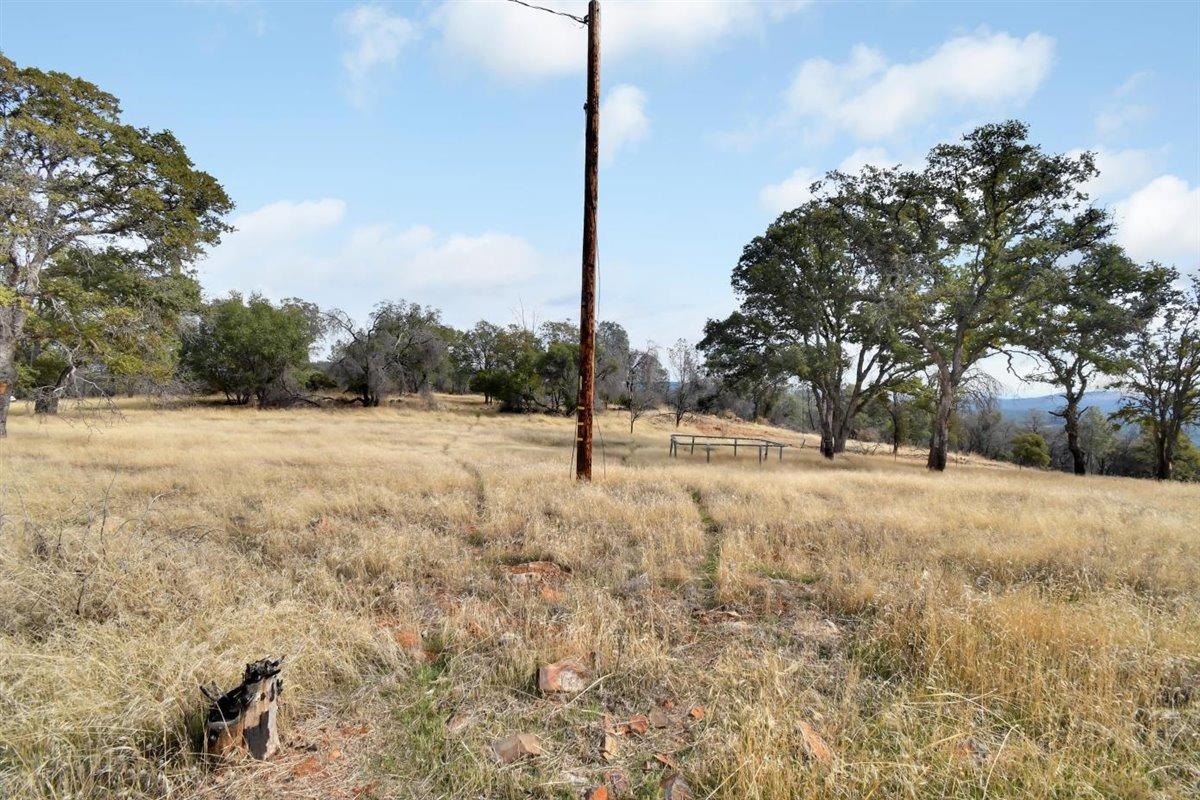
(580, 20)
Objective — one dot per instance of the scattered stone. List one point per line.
(457, 723)
(597, 793)
(639, 723)
(609, 747)
(567, 675)
(535, 572)
(697, 712)
(814, 746)
(409, 641)
(666, 761)
(717, 615)
(618, 783)
(674, 787)
(659, 719)
(517, 746)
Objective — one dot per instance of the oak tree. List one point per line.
(73, 174)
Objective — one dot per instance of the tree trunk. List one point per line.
(45, 403)
(828, 439)
(939, 443)
(11, 321)
(1164, 457)
(1071, 424)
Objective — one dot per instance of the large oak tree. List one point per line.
(73, 175)
(806, 293)
(960, 246)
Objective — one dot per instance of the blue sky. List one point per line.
(433, 151)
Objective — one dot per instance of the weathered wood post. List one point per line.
(246, 718)
(587, 294)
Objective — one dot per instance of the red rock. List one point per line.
(567, 675)
(814, 745)
(597, 793)
(639, 723)
(666, 761)
(675, 787)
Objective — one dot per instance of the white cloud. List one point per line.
(866, 157)
(796, 188)
(307, 249)
(623, 120)
(516, 42)
(285, 218)
(376, 38)
(791, 192)
(1161, 221)
(1120, 171)
(872, 100)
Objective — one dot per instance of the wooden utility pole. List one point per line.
(587, 295)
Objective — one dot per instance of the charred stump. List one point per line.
(246, 718)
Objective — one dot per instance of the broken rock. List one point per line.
(608, 747)
(674, 787)
(618, 783)
(535, 572)
(517, 746)
(567, 675)
(639, 723)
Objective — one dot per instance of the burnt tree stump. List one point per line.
(246, 718)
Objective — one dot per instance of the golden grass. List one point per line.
(986, 632)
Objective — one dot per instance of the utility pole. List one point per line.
(587, 294)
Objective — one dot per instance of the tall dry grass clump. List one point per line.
(987, 632)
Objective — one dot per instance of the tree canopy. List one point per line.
(75, 176)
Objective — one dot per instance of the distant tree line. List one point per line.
(864, 313)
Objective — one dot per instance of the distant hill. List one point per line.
(1019, 407)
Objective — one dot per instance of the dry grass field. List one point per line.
(989, 632)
